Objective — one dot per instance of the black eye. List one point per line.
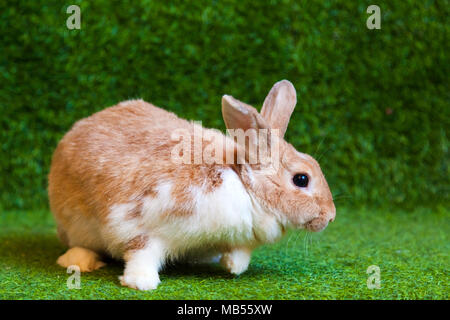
(301, 180)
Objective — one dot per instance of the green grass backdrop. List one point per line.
(373, 105)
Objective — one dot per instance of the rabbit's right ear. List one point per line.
(279, 104)
(239, 115)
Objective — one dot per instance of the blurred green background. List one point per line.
(373, 105)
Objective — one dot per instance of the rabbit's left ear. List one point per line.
(279, 105)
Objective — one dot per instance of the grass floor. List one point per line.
(411, 249)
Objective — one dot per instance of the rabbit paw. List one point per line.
(140, 280)
(87, 260)
(236, 261)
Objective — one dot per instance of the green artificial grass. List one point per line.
(411, 249)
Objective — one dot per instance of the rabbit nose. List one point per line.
(328, 216)
(331, 215)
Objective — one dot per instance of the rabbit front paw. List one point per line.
(236, 261)
(140, 280)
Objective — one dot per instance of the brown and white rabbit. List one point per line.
(115, 189)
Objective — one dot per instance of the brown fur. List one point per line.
(86, 180)
(137, 243)
(135, 212)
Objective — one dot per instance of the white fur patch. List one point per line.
(141, 270)
(236, 261)
(224, 212)
(266, 225)
(120, 229)
(221, 215)
(154, 207)
(225, 215)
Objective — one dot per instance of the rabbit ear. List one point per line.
(244, 123)
(239, 115)
(279, 105)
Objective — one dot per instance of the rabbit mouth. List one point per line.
(316, 224)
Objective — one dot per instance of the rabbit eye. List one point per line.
(301, 180)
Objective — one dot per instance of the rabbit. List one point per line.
(115, 189)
